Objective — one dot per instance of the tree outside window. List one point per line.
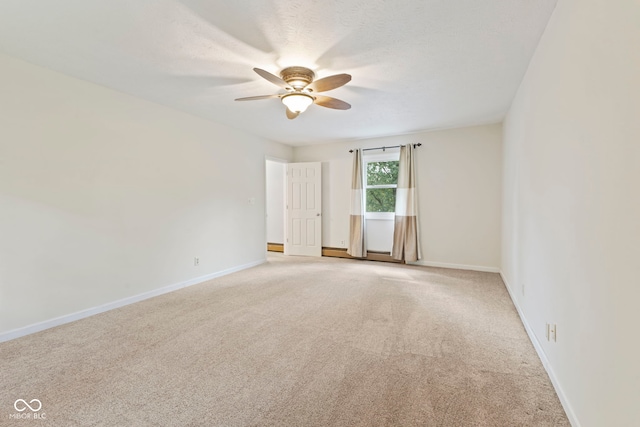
(381, 184)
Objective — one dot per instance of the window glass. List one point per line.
(381, 199)
(381, 173)
(381, 183)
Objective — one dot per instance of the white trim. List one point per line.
(57, 321)
(373, 187)
(457, 266)
(568, 409)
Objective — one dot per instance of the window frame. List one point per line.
(387, 156)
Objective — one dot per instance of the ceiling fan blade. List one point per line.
(255, 98)
(272, 78)
(291, 115)
(329, 83)
(329, 102)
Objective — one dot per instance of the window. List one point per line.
(381, 181)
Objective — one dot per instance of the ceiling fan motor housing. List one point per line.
(297, 77)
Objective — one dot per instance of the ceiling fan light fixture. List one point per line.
(297, 102)
(299, 83)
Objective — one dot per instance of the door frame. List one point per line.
(284, 205)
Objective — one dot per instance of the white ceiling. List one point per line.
(416, 64)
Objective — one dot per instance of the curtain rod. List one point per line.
(384, 148)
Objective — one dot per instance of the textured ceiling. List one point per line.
(416, 64)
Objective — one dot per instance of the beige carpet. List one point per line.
(294, 342)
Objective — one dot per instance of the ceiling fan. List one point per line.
(301, 89)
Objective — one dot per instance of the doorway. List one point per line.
(293, 207)
(276, 184)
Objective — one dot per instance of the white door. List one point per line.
(304, 209)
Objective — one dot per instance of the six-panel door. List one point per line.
(304, 209)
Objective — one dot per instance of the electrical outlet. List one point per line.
(196, 262)
(551, 332)
(342, 243)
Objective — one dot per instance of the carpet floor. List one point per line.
(296, 341)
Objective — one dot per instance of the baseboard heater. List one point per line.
(371, 255)
(275, 247)
(342, 253)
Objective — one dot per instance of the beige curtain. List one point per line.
(406, 240)
(357, 245)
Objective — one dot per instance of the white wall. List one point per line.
(572, 208)
(276, 194)
(379, 234)
(104, 196)
(459, 179)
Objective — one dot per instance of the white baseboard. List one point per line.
(543, 357)
(457, 266)
(57, 321)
